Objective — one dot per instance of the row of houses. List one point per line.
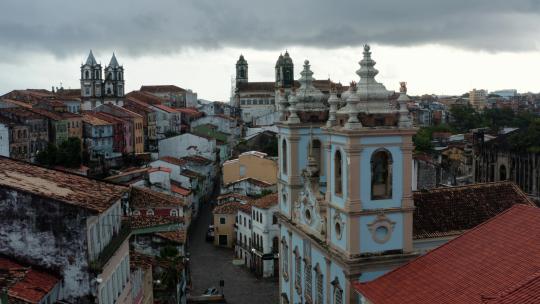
(72, 239)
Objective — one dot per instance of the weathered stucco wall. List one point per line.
(47, 233)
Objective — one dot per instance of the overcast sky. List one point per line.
(437, 46)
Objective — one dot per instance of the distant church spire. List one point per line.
(91, 60)
(113, 63)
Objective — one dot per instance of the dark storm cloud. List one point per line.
(141, 27)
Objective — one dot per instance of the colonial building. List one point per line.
(501, 158)
(257, 100)
(250, 164)
(97, 89)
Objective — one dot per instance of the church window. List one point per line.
(86, 75)
(338, 292)
(284, 156)
(502, 172)
(108, 90)
(381, 175)
(308, 282)
(87, 91)
(318, 285)
(285, 258)
(338, 182)
(297, 271)
(242, 73)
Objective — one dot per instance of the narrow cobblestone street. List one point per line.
(210, 264)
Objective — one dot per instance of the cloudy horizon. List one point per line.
(438, 47)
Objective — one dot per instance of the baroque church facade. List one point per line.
(100, 86)
(345, 199)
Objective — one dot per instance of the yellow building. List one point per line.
(250, 164)
(224, 220)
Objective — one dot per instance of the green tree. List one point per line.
(48, 156)
(465, 118)
(67, 155)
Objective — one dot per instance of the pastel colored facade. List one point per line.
(249, 187)
(224, 217)
(344, 187)
(133, 128)
(175, 96)
(477, 98)
(37, 128)
(251, 164)
(223, 123)
(98, 137)
(149, 120)
(265, 237)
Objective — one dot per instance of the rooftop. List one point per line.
(208, 130)
(253, 181)
(197, 159)
(25, 283)
(227, 208)
(483, 264)
(450, 211)
(147, 221)
(177, 236)
(162, 88)
(144, 198)
(59, 185)
(173, 160)
(94, 120)
(266, 201)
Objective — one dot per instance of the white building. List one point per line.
(167, 120)
(4, 139)
(188, 145)
(265, 236)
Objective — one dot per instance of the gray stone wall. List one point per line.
(47, 233)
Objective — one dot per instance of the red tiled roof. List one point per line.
(483, 261)
(197, 159)
(146, 221)
(176, 188)
(145, 97)
(177, 236)
(173, 160)
(30, 285)
(246, 208)
(190, 173)
(144, 198)
(253, 181)
(527, 292)
(235, 196)
(266, 201)
(89, 118)
(227, 208)
(66, 187)
(190, 112)
(165, 108)
(162, 88)
(450, 211)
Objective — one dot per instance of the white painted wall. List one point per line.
(188, 145)
(4, 140)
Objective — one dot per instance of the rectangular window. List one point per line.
(222, 220)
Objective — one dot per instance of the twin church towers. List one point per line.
(97, 86)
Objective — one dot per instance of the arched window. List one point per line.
(315, 152)
(319, 299)
(297, 271)
(242, 73)
(285, 259)
(338, 181)
(174, 212)
(381, 175)
(86, 75)
(308, 282)
(136, 213)
(338, 292)
(502, 172)
(284, 156)
(150, 212)
(275, 245)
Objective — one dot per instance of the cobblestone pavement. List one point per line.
(209, 264)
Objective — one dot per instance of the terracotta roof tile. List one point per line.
(29, 285)
(93, 120)
(197, 159)
(227, 208)
(177, 188)
(253, 181)
(450, 211)
(483, 261)
(177, 236)
(173, 160)
(527, 292)
(266, 201)
(59, 185)
(191, 174)
(147, 221)
(144, 198)
(162, 89)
